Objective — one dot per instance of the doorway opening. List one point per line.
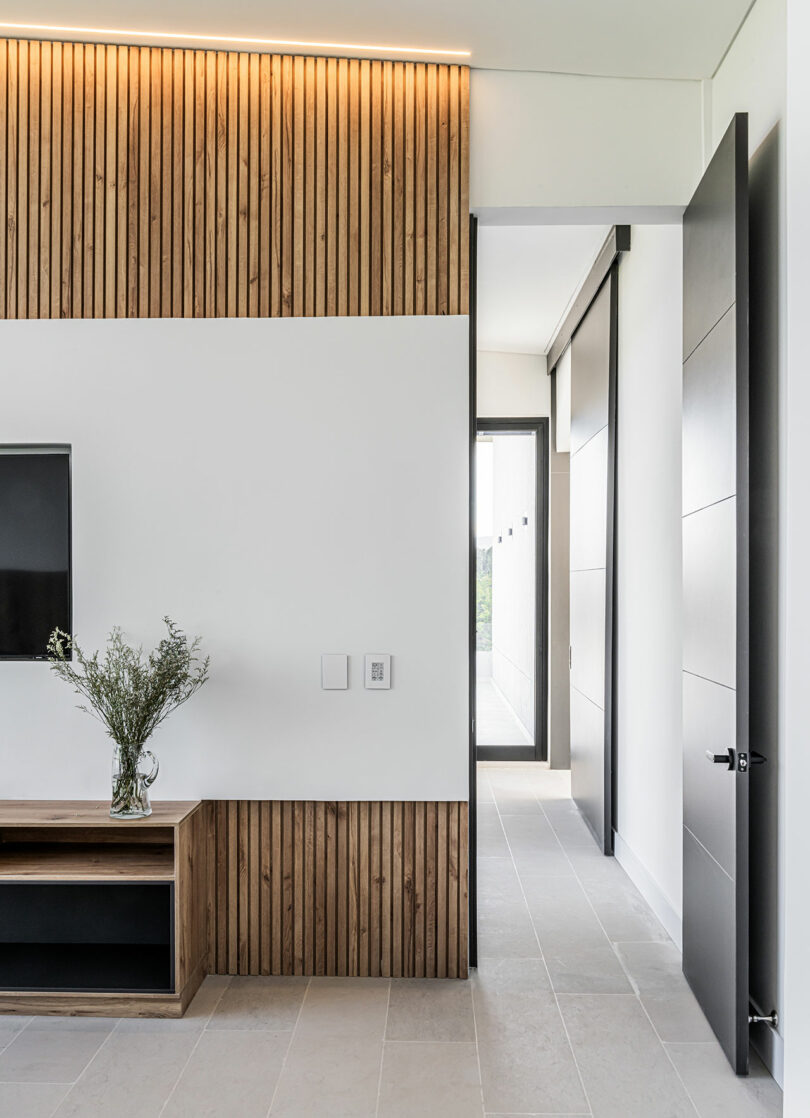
(511, 589)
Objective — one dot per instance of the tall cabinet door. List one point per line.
(715, 593)
(593, 414)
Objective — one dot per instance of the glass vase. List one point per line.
(131, 782)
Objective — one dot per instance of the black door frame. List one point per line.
(539, 427)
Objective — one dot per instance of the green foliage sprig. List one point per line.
(131, 694)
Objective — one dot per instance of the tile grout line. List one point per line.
(289, 1046)
(540, 948)
(382, 1050)
(630, 979)
(193, 1048)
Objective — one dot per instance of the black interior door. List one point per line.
(593, 427)
(715, 593)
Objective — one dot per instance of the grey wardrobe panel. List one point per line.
(710, 418)
(710, 593)
(709, 724)
(589, 471)
(588, 761)
(588, 634)
(590, 371)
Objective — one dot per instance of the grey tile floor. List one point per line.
(578, 1008)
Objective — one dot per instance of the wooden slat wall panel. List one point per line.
(151, 182)
(370, 888)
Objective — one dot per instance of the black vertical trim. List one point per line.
(539, 751)
(610, 564)
(742, 779)
(472, 866)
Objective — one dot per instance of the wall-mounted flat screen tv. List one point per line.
(35, 576)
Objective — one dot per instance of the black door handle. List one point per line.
(726, 758)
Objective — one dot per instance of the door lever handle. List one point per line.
(726, 758)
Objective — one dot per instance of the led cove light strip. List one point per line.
(117, 34)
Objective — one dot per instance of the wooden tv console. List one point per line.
(100, 917)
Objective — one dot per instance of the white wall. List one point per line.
(593, 141)
(513, 573)
(284, 488)
(649, 591)
(797, 563)
(512, 385)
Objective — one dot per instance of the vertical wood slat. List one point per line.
(164, 182)
(303, 887)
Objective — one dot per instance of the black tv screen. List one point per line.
(35, 574)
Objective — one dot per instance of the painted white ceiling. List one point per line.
(624, 38)
(527, 277)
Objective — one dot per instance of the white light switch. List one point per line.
(334, 671)
(378, 670)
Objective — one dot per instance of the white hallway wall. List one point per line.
(285, 488)
(649, 585)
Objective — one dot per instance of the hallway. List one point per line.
(580, 1003)
(578, 1008)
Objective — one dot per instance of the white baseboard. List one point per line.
(649, 888)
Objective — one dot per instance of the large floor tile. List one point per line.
(47, 1054)
(510, 976)
(329, 1077)
(525, 1057)
(677, 1017)
(717, 1092)
(624, 1067)
(569, 827)
(655, 968)
(430, 1010)
(30, 1100)
(622, 910)
(11, 1026)
(272, 1004)
(347, 1007)
(586, 970)
(130, 1077)
(195, 1018)
(229, 1073)
(561, 913)
(505, 930)
(498, 880)
(529, 834)
(420, 1079)
(491, 839)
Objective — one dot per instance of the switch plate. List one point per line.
(334, 671)
(378, 671)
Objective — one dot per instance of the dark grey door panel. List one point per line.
(716, 594)
(592, 466)
(710, 418)
(708, 794)
(590, 350)
(710, 241)
(710, 921)
(709, 592)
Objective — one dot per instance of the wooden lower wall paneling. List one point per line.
(336, 888)
(155, 182)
